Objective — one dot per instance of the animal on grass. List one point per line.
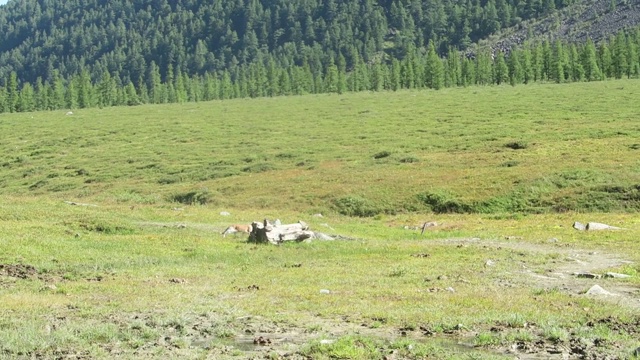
(237, 228)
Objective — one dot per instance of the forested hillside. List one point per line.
(66, 54)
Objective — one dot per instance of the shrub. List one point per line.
(193, 197)
(444, 202)
(382, 154)
(517, 145)
(356, 206)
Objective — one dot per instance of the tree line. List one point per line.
(421, 68)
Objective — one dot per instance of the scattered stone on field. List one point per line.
(509, 237)
(79, 204)
(553, 240)
(579, 226)
(181, 226)
(322, 236)
(450, 289)
(587, 275)
(325, 291)
(250, 287)
(69, 113)
(616, 275)
(326, 341)
(421, 255)
(177, 209)
(489, 263)
(178, 281)
(225, 213)
(443, 277)
(598, 290)
(317, 215)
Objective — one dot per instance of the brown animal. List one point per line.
(236, 228)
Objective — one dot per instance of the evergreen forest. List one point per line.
(76, 54)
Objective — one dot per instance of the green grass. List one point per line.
(145, 272)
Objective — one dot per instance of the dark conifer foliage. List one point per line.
(74, 54)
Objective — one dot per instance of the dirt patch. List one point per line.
(563, 271)
(19, 271)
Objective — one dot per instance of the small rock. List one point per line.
(327, 341)
(616, 275)
(181, 226)
(553, 240)
(489, 263)
(450, 289)
(224, 213)
(598, 290)
(325, 291)
(579, 226)
(443, 277)
(587, 275)
(317, 215)
(322, 236)
(69, 113)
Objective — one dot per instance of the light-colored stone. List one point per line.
(489, 263)
(322, 236)
(225, 213)
(579, 226)
(598, 290)
(325, 291)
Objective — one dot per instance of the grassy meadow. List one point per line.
(139, 269)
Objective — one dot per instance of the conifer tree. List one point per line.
(3, 100)
(468, 72)
(58, 92)
(394, 78)
(605, 61)
(484, 74)
(434, 69)
(577, 70)
(26, 99)
(71, 95)
(515, 68)
(12, 92)
(527, 67)
(558, 63)
(590, 62)
(501, 70)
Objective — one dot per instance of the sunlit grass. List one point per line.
(141, 258)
